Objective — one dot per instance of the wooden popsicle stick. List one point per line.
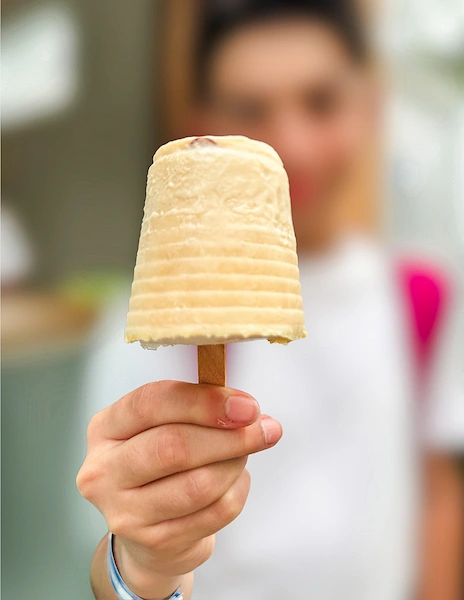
(212, 364)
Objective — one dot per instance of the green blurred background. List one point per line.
(74, 174)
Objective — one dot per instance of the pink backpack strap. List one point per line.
(427, 293)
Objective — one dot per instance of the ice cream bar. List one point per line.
(217, 258)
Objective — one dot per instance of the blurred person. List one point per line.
(362, 499)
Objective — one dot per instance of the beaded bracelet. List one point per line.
(121, 589)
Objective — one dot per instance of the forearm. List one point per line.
(443, 537)
(164, 586)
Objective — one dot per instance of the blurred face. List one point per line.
(293, 85)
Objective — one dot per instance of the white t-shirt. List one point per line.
(332, 509)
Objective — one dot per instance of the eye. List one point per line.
(323, 102)
(245, 111)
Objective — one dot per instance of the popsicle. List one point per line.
(217, 259)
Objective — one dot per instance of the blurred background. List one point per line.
(89, 91)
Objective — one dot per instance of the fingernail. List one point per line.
(241, 409)
(271, 430)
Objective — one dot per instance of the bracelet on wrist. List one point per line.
(117, 582)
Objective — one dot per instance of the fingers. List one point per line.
(165, 402)
(183, 493)
(170, 449)
(185, 531)
(165, 466)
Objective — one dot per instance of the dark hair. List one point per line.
(219, 18)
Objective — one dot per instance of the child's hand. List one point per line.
(166, 467)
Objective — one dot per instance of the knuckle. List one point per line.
(168, 387)
(198, 485)
(161, 539)
(141, 400)
(209, 399)
(136, 462)
(233, 501)
(229, 507)
(119, 525)
(123, 521)
(138, 401)
(87, 481)
(199, 553)
(172, 448)
(205, 551)
(242, 440)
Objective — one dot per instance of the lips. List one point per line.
(302, 191)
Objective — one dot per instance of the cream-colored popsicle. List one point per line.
(217, 258)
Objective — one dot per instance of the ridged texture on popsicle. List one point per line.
(217, 255)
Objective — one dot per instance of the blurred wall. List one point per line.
(424, 44)
(77, 179)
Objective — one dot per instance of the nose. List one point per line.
(294, 140)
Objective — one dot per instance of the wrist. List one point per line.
(146, 583)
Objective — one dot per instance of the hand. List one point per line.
(166, 467)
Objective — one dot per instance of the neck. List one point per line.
(315, 240)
